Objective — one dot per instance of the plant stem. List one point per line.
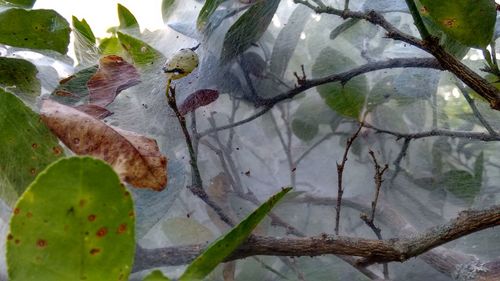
(419, 23)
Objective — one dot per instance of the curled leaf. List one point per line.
(198, 99)
(135, 158)
(113, 76)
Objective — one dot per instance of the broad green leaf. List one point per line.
(155, 275)
(26, 146)
(206, 11)
(111, 46)
(19, 77)
(248, 28)
(141, 53)
(83, 28)
(470, 22)
(27, 4)
(462, 184)
(450, 44)
(35, 29)
(225, 245)
(127, 19)
(348, 99)
(74, 222)
(311, 113)
(167, 7)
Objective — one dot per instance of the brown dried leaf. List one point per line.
(94, 110)
(113, 76)
(135, 158)
(197, 99)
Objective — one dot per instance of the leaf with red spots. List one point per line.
(198, 99)
(135, 158)
(472, 23)
(26, 147)
(72, 223)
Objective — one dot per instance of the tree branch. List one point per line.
(373, 251)
(342, 77)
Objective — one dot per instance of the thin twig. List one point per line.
(370, 219)
(340, 172)
(343, 77)
(196, 186)
(475, 110)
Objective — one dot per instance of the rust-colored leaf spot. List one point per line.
(57, 150)
(10, 236)
(40, 243)
(102, 232)
(29, 214)
(122, 228)
(33, 171)
(126, 193)
(135, 158)
(17, 211)
(95, 251)
(34, 145)
(424, 10)
(113, 76)
(197, 99)
(17, 241)
(450, 23)
(131, 214)
(91, 217)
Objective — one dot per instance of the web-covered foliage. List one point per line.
(438, 137)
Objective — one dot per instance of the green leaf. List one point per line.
(141, 53)
(74, 222)
(225, 245)
(26, 146)
(311, 113)
(206, 11)
(74, 90)
(111, 46)
(155, 275)
(83, 29)
(462, 184)
(127, 19)
(35, 29)
(85, 42)
(185, 231)
(348, 99)
(470, 22)
(479, 168)
(19, 77)
(248, 28)
(287, 40)
(27, 4)
(167, 7)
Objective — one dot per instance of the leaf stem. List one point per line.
(419, 23)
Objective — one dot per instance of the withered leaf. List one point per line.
(113, 76)
(197, 99)
(135, 158)
(96, 111)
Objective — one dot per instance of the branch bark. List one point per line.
(373, 251)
